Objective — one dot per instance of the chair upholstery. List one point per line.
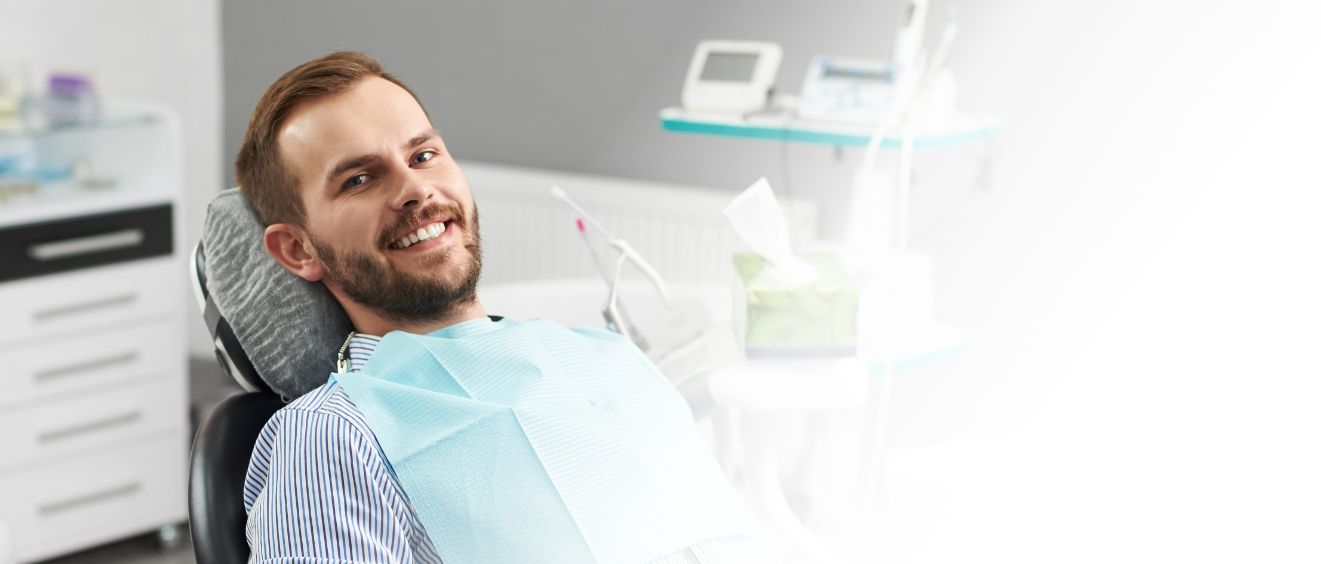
(229, 351)
(289, 328)
(216, 469)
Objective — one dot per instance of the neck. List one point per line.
(369, 322)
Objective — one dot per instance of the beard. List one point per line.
(372, 281)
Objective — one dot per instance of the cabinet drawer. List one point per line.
(62, 367)
(59, 429)
(76, 243)
(86, 500)
(98, 298)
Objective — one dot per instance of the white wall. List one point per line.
(1144, 288)
(1155, 199)
(158, 50)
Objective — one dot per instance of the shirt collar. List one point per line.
(360, 350)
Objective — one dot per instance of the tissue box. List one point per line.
(776, 319)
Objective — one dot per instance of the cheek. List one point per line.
(356, 228)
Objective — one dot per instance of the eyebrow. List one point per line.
(364, 160)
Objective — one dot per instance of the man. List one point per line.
(447, 434)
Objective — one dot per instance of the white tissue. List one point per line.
(756, 216)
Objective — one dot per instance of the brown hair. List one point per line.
(263, 179)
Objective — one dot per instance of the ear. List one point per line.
(288, 244)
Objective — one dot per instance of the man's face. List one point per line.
(372, 172)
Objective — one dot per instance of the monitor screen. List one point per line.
(729, 67)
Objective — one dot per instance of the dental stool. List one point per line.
(277, 336)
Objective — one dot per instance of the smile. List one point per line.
(423, 234)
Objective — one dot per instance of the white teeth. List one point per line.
(422, 234)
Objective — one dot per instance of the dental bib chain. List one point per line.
(342, 364)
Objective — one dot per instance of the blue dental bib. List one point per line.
(529, 442)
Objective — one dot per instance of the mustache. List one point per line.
(412, 220)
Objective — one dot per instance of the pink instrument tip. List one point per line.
(582, 228)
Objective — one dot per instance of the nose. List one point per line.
(414, 192)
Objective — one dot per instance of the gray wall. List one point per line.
(570, 85)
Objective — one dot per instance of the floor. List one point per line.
(146, 549)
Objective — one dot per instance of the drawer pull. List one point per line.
(94, 426)
(86, 245)
(94, 364)
(48, 314)
(52, 508)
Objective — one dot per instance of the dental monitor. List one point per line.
(731, 77)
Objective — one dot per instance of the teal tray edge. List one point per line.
(817, 137)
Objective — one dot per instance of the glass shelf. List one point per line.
(124, 158)
(962, 128)
(11, 128)
(49, 200)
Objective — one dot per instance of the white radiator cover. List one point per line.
(528, 235)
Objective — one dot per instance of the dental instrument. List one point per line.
(911, 82)
(681, 351)
(626, 251)
(846, 90)
(613, 312)
(908, 42)
(591, 246)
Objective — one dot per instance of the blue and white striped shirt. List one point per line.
(319, 491)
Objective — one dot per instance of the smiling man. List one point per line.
(448, 434)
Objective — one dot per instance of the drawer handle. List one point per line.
(84, 428)
(94, 364)
(122, 490)
(48, 314)
(86, 245)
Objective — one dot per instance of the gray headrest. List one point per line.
(291, 329)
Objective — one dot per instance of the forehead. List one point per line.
(372, 117)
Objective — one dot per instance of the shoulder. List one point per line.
(317, 482)
(324, 407)
(322, 430)
(323, 422)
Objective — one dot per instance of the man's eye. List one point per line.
(355, 181)
(424, 156)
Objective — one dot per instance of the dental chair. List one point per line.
(277, 336)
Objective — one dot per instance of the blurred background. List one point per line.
(1100, 317)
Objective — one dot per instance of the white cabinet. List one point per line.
(93, 381)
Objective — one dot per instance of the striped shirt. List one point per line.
(319, 490)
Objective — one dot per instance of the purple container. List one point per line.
(70, 99)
